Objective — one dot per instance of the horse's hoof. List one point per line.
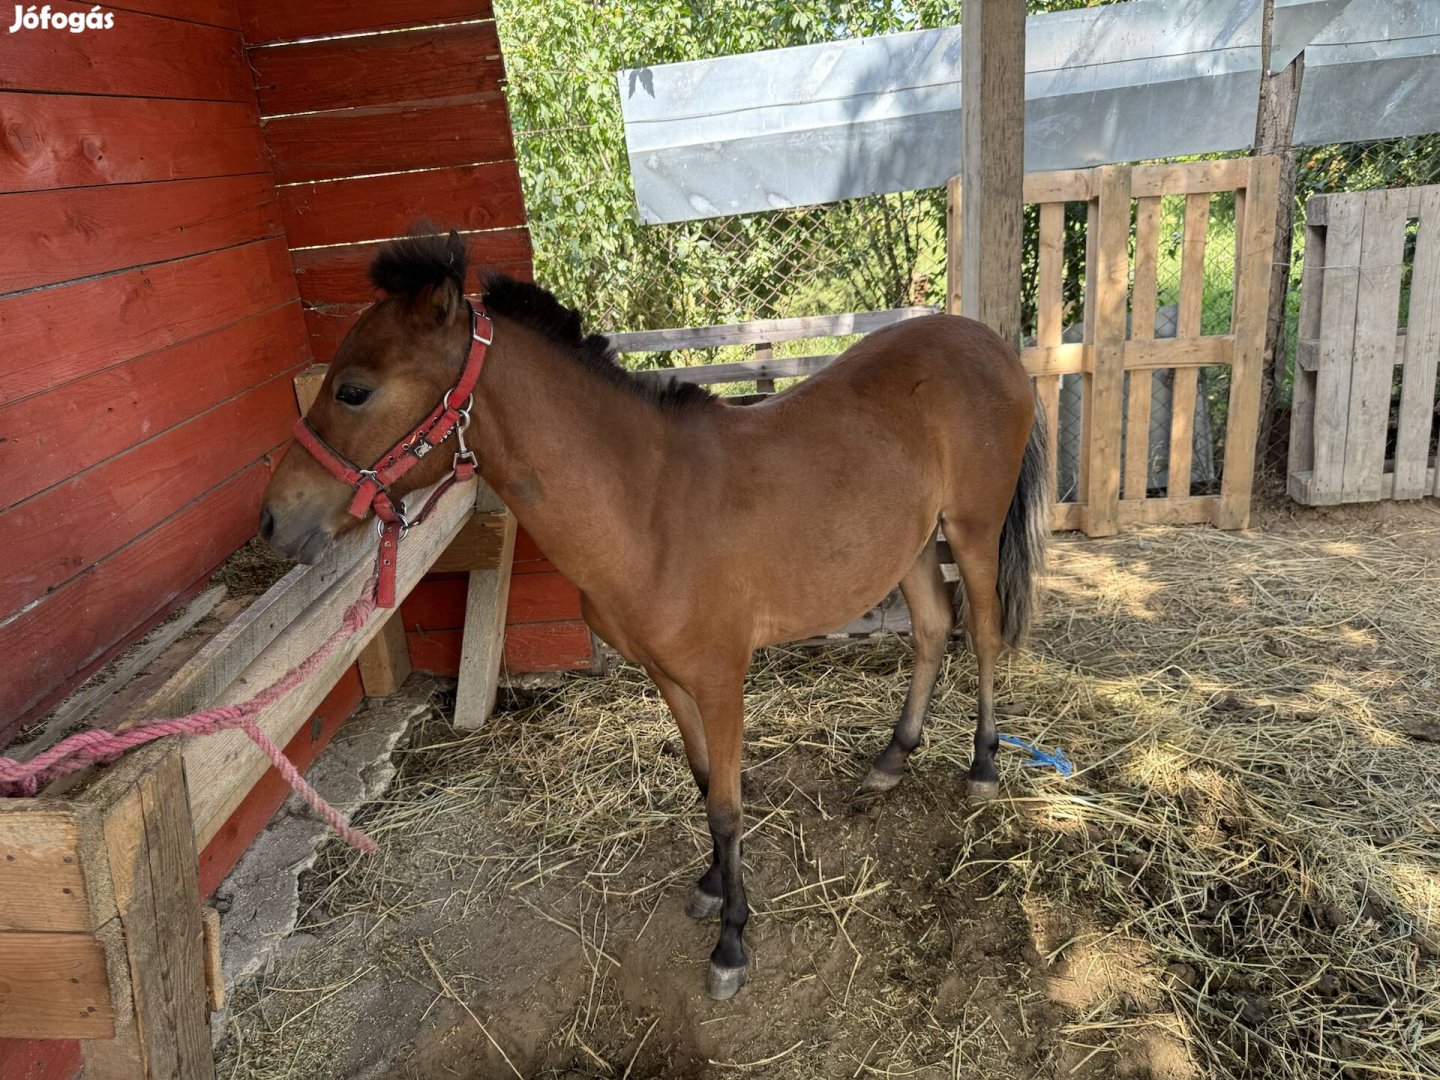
(702, 905)
(980, 790)
(725, 982)
(877, 782)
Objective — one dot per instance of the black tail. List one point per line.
(1022, 540)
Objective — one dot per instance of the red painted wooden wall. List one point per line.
(369, 132)
(150, 326)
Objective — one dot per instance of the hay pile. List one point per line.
(1246, 865)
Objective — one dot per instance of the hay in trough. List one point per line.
(1240, 880)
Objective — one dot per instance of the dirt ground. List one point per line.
(1242, 878)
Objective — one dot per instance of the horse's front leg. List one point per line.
(722, 709)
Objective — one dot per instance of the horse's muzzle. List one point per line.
(292, 537)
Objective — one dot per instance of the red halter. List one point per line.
(372, 485)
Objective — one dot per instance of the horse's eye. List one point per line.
(350, 394)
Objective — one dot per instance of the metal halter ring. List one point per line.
(405, 523)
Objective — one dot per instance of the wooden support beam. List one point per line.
(162, 1024)
(992, 81)
(385, 662)
(483, 642)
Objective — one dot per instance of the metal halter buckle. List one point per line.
(475, 318)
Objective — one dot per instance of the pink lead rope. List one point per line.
(22, 779)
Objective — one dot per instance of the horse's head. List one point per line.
(392, 369)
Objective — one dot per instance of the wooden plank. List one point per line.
(54, 336)
(65, 141)
(1187, 178)
(223, 767)
(391, 138)
(451, 63)
(340, 274)
(1300, 488)
(1179, 352)
(307, 386)
(56, 434)
(1337, 341)
(42, 876)
(1377, 316)
(385, 663)
(47, 645)
(77, 708)
(380, 207)
(992, 77)
(1068, 359)
(1182, 432)
(1110, 232)
(1062, 186)
(486, 601)
(1049, 278)
(1184, 510)
(327, 325)
(58, 533)
(127, 225)
(478, 545)
(269, 21)
(548, 647)
(1047, 393)
(1420, 352)
(1192, 266)
(141, 56)
(786, 367)
(54, 986)
(1248, 321)
(214, 974)
(954, 244)
(151, 847)
(1142, 322)
(1301, 452)
(762, 330)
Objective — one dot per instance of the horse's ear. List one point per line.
(438, 304)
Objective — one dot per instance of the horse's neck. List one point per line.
(570, 453)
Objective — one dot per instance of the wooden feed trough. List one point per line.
(1353, 438)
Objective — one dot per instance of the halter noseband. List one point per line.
(371, 486)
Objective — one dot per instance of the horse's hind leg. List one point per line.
(932, 616)
(977, 554)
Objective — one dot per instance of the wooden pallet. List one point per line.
(1352, 350)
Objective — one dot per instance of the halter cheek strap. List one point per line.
(371, 487)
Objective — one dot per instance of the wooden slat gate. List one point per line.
(1117, 324)
(1353, 436)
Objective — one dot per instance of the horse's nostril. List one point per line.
(267, 524)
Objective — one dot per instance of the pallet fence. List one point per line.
(1363, 412)
(1118, 320)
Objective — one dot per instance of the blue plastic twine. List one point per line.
(1056, 759)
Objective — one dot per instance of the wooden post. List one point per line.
(162, 1022)
(1274, 135)
(385, 662)
(1107, 292)
(483, 642)
(992, 80)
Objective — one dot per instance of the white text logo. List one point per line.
(76, 22)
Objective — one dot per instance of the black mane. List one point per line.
(425, 257)
(537, 309)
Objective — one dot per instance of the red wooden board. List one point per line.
(59, 140)
(53, 236)
(49, 644)
(140, 56)
(378, 207)
(54, 536)
(284, 20)
(352, 142)
(210, 12)
(49, 437)
(529, 647)
(53, 336)
(39, 1059)
(271, 790)
(383, 69)
(331, 275)
(327, 328)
